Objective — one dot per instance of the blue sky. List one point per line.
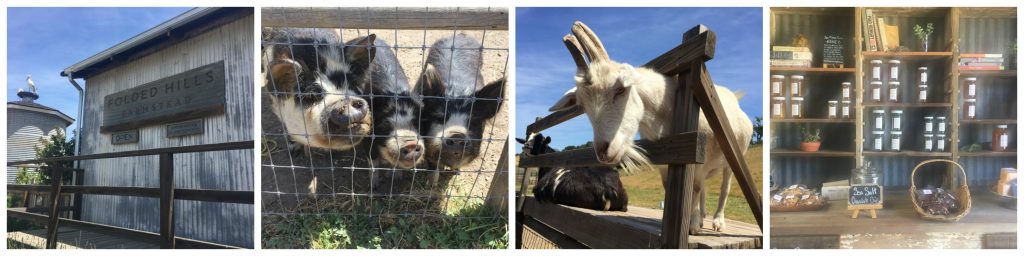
(44, 41)
(544, 69)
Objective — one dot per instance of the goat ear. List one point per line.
(567, 101)
(489, 100)
(283, 75)
(430, 83)
(521, 141)
(359, 53)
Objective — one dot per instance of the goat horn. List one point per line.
(574, 49)
(591, 44)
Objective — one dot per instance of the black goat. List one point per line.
(597, 188)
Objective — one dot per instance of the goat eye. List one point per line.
(619, 91)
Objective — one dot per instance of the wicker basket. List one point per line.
(962, 193)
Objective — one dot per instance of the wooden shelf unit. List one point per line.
(821, 153)
(988, 153)
(791, 70)
(813, 120)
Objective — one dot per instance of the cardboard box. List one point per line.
(836, 190)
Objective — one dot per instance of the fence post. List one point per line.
(167, 201)
(79, 181)
(56, 173)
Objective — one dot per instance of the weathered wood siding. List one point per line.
(226, 170)
(24, 129)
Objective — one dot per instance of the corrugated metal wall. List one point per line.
(225, 170)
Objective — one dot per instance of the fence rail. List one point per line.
(441, 18)
(166, 192)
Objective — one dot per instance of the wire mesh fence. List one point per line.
(369, 119)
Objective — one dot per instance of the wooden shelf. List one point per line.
(868, 56)
(908, 105)
(821, 153)
(987, 153)
(990, 73)
(989, 121)
(813, 70)
(812, 120)
(909, 153)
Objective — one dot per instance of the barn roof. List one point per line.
(32, 106)
(182, 27)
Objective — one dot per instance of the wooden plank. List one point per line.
(434, 18)
(681, 148)
(812, 120)
(815, 70)
(79, 181)
(207, 195)
(167, 201)
(782, 152)
(679, 186)
(540, 236)
(554, 119)
(196, 93)
(805, 242)
(53, 224)
(699, 46)
(908, 153)
(147, 237)
(145, 152)
(999, 241)
(497, 192)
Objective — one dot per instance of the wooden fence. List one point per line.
(681, 152)
(166, 192)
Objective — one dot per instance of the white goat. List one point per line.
(621, 100)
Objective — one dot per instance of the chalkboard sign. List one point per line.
(832, 53)
(865, 194)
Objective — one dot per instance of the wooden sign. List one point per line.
(124, 137)
(185, 128)
(188, 95)
(865, 197)
(832, 51)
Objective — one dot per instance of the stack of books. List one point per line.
(981, 61)
(789, 56)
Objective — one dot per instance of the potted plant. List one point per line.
(923, 33)
(811, 141)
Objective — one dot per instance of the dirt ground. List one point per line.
(289, 179)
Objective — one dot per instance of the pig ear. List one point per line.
(521, 141)
(283, 75)
(489, 99)
(430, 83)
(567, 101)
(547, 140)
(359, 53)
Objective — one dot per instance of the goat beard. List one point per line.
(634, 160)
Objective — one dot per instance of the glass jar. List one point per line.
(777, 103)
(876, 70)
(894, 70)
(895, 139)
(833, 109)
(922, 93)
(970, 109)
(940, 142)
(845, 113)
(1000, 138)
(877, 141)
(777, 81)
(928, 121)
(894, 91)
(970, 88)
(796, 105)
(922, 75)
(876, 91)
(940, 123)
(879, 119)
(847, 90)
(796, 85)
(897, 120)
(928, 142)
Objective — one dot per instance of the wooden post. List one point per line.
(497, 194)
(56, 173)
(167, 201)
(521, 198)
(79, 181)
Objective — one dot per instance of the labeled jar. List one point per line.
(928, 140)
(970, 88)
(1000, 138)
(796, 105)
(894, 91)
(877, 141)
(879, 119)
(922, 73)
(876, 91)
(940, 123)
(845, 109)
(796, 85)
(876, 70)
(928, 121)
(940, 142)
(922, 93)
(833, 109)
(894, 70)
(777, 81)
(897, 120)
(895, 139)
(970, 109)
(847, 90)
(777, 103)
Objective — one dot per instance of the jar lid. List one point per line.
(846, 101)
(923, 86)
(922, 68)
(798, 98)
(779, 98)
(929, 117)
(894, 61)
(778, 76)
(971, 79)
(897, 111)
(797, 77)
(1002, 126)
(896, 133)
(942, 135)
(876, 62)
(879, 111)
(941, 118)
(833, 101)
(876, 82)
(878, 132)
(928, 135)
(847, 83)
(894, 82)
(971, 100)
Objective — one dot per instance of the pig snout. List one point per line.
(411, 150)
(455, 142)
(350, 111)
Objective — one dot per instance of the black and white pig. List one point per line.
(316, 86)
(453, 126)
